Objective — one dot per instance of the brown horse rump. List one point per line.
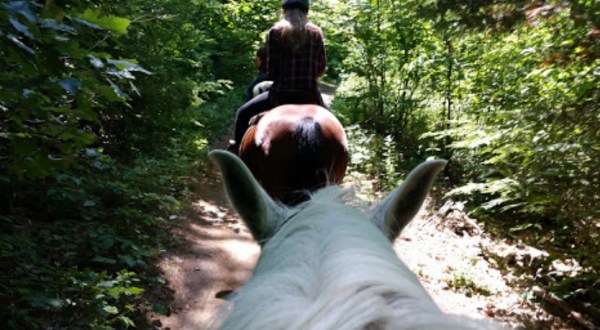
(295, 149)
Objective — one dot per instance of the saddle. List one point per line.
(294, 97)
(287, 97)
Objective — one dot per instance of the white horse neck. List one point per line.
(329, 268)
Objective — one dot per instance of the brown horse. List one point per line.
(295, 149)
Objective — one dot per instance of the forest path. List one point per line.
(216, 254)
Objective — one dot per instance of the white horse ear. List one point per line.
(393, 213)
(252, 203)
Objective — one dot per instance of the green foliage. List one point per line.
(461, 282)
(191, 49)
(527, 140)
(508, 91)
(335, 25)
(105, 121)
(391, 57)
(87, 242)
(79, 257)
(372, 157)
(532, 119)
(219, 114)
(57, 85)
(388, 70)
(388, 58)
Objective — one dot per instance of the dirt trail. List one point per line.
(444, 248)
(448, 250)
(216, 254)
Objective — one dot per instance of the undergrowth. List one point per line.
(77, 248)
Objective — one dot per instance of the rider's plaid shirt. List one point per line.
(297, 70)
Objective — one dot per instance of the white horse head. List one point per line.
(326, 265)
(261, 87)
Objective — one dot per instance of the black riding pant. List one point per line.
(260, 103)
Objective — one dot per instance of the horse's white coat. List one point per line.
(261, 87)
(325, 265)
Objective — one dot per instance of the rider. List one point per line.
(296, 58)
(261, 65)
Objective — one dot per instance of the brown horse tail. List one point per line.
(308, 137)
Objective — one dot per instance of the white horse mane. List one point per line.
(325, 265)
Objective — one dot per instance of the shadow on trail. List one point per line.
(215, 254)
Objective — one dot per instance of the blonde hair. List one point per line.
(294, 31)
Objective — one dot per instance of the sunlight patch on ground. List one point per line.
(242, 251)
(448, 252)
(216, 254)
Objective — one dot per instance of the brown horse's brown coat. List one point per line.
(269, 150)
